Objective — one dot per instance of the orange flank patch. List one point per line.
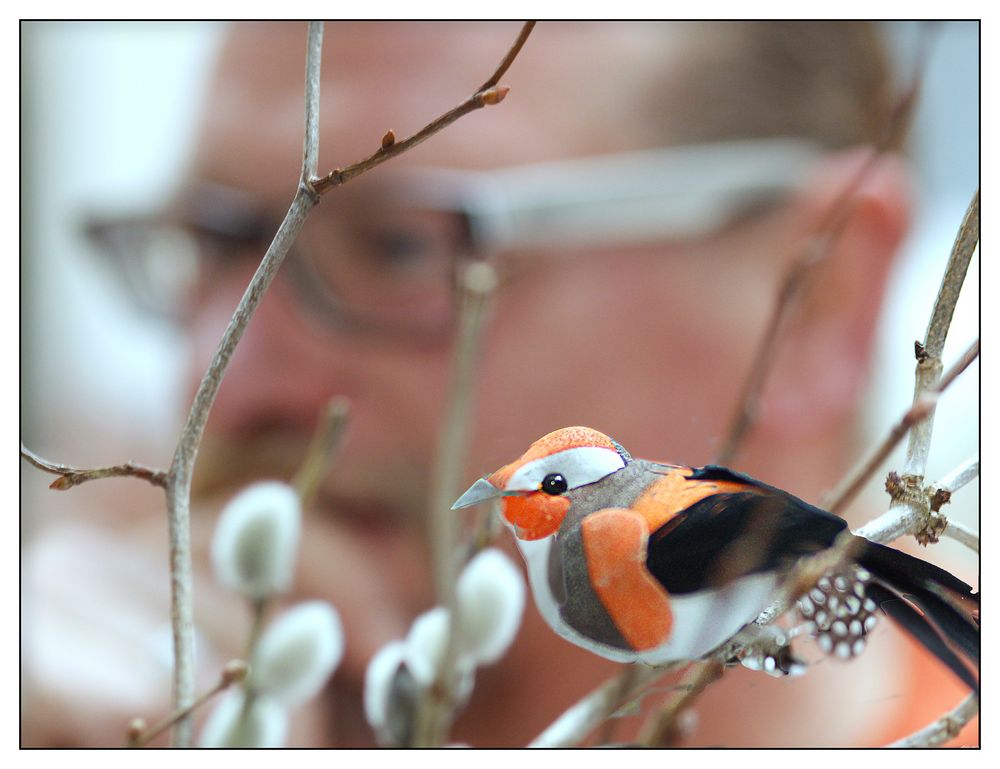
(614, 544)
(535, 515)
(676, 492)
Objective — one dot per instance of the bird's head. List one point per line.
(532, 487)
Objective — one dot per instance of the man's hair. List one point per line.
(828, 81)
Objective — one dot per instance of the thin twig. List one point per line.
(310, 144)
(624, 679)
(182, 468)
(970, 354)
(572, 727)
(476, 283)
(140, 735)
(325, 441)
(844, 493)
(662, 730)
(929, 353)
(940, 494)
(947, 727)
(803, 576)
(489, 94)
(825, 236)
(962, 534)
(515, 49)
(965, 473)
(74, 476)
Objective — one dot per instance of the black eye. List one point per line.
(554, 484)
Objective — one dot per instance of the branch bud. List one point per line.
(136, 729)
(234, 672)
(494, 95)
(388, 140)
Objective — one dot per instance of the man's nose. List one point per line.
(281, 375)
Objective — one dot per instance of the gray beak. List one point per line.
(480, 491)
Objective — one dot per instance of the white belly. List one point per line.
(701, 620)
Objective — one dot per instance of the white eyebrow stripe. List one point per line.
(579, 466)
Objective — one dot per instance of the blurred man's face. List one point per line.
(619, 339)
(645, 344)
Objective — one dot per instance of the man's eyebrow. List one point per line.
(220, 209)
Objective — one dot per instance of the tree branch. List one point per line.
(663, 729)
(947, 727)
(477, 283)
(965, 473)
(74, 476)
(182, 468)
(325, 441)
(825, 236)
(515, 49)
(139, 735)
(922, 408)
(962, 534)
(488, 94)
(572, 727)
(929, 353)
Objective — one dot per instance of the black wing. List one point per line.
(733, 534)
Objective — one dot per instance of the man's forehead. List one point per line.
(565, 84)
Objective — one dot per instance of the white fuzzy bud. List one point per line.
(256, 540)
(379, 676)
(391, 696)
(426, 644)
(491, 598)
(297, 653)
(263, 725)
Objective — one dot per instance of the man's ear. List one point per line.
(822, 369)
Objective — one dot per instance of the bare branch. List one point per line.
(490, 93)
(477, 283)
(929, 353)
(960, 476)
(825, 236)
(314, 56)
(663, 729)
(325, 441)
(515, 49)
(845, 492)
(940, 494)
(971, 353)
(962, 534)
(139, 735)
(182, 468)
(572, 727)
(947, 727)
(74, 476)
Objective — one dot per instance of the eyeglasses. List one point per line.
(382, 254)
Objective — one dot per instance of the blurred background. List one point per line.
(108, 112)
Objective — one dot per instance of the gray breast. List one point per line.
(569, 579)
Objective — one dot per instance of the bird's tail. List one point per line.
(935, 607)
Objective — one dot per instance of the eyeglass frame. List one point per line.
(625, 198)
